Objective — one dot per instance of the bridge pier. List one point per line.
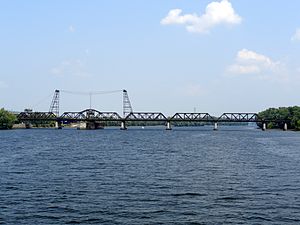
(123, 125)
(80, 125)
(90, 125)
(93, 125)
(216, 126)
(169, 126)
(58, 124)
(28, 125)
(285, 127)
(264, 126)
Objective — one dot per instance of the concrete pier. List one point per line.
(93, 125)
(169, 126)
(123, 125)
(90, 125)
(81, 125)
(58, 125)
(216, 126)
(285, 127)
(28, 125)
(264, 126)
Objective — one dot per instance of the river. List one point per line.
(236, 175)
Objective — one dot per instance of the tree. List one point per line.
(291, 114)
(7, 119)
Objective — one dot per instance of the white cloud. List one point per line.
(70, 68)
(216, 13)
(71, 29)
(243, 69)
(296, 36)
(250, 62)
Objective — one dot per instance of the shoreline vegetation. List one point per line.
(292, 114)
(7, 119)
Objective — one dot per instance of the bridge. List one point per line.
(93, 119)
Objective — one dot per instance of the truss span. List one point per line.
(193, 117)
(145, 116)
(95, 115)
(239, 117)
(90, 114)
(37, 116)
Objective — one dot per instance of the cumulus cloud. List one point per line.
(250, 62)
(296, 36)
(244, 69)
(215, 13)
(70, 68)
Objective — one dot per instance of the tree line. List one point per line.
(290, 114)
(7, 119)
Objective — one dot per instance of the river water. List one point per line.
(237, 175)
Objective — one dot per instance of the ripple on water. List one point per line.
(186, 176)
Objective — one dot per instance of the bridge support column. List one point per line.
(58, 125)
(94, 125)
(28, 125)
(90, 126)
(123, 125)
(264, 126)
(216, 126)
(81, 125)
(169, 126)
(285, 127)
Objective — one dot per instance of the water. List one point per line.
(150, 176)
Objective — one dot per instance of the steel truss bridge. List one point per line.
(95, 116)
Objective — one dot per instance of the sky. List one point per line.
(170, 55)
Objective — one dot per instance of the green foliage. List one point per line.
(7, 119)
(291, 114)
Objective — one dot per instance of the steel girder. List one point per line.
(90, 114)
(37, 116)
(94, 115)
(145, 116)
(239, 117)
(198, 117)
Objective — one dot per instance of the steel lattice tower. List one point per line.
(126, 104)
(54, 107)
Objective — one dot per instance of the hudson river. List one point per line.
(237, 175)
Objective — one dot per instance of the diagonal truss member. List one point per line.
(54, 107)
(127, 109)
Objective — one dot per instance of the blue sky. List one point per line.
(171, 55)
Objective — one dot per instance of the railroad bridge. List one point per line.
(93, 119)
